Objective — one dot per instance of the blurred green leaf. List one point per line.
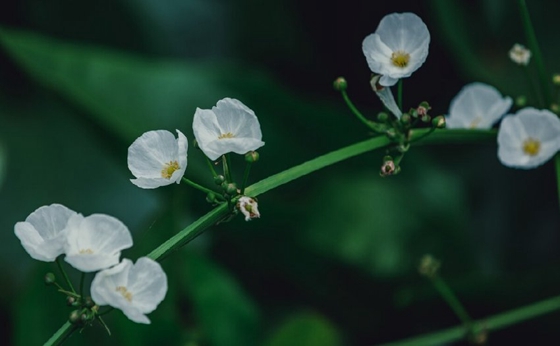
(305, 329)
(226, 315)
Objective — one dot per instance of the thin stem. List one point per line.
(494, 322)
(356, 112)
(200, 187)
(211, 166)
(65, 275)
(400, 94)
(62, 334)
(534, 47)
(227, 171)
(104, 324)
(246, 176)
(451, 300)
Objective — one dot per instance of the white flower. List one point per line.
(398, 47)
(157, 159)
(477, 106)
(248, 207)
(230, 126)
(385, 95)
(136, 289)
(95, 242)
(519, 54)
(42, 234)
(529, 138)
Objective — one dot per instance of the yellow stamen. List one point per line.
(400, 58)
(531, 146)
(226, 135)
(475, 123)
(169, 168)
(124, 292)
(86, 251)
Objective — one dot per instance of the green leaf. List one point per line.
(305, 329)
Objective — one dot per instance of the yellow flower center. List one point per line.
(400, 58)
(169, 168)
(125, 293)
(531, 146)
(226, 135)
(475, 123)
(86, 251)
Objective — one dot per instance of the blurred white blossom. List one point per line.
(529, 138)
(136, 289)
(398, 47)
(519, 54)
(42, 234)
(157, 159)
(230, 126)
(95, 242)
(477, 106)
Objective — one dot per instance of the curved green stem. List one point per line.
(246, 176)
(66, 278)
(356, 112)
(451, 300)
(400, 94)
(211, 166)
(200, 187)
(211, 218)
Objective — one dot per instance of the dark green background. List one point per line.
(333, 259)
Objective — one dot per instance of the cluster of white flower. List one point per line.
(94, 243)
(526, 139)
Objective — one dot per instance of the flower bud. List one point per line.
(248, 207)
(382, 117)
(49, 279)
(89, 303)
(389, 168)
(555, 108)
(219, 179)
(71, 301)
(556, 79)
(74, 316)
(439, 122)
(406, 119)
(211, 197)
(230, 188)
(252, 157)
(429, 266)
(340, 84)
(521, 101)
(422, 111)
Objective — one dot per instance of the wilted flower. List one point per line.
(529, 138)
(519, 54)
(136, 289)
(95, 242)
(157, 159)
(42, 234)
(477, 106)
(230, 126)
(398, 47)
(248, 207)
(385, 95)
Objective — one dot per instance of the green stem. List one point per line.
(400, 94)
(535, 50)
(227, 168)
(65, 275)
(356, 112)
(494, 322)
(246, 176)
(196, 228)
(62, 334)
(211, 166)
(200, 187)
(451, 300)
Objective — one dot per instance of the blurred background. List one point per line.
(333, 260)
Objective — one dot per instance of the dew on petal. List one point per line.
(400, 58)
(226, 135)
(531, 147)
(125, 293)
(169, 168)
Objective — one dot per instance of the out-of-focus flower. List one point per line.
(248, 207)
(42, 233)
(95, 242)
(477, 106)
(136, 289)
(228, 127)
(529, 138)
(398, 47)
(519, 54)
(157, 159)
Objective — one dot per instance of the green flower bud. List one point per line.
(89, 303)
(429, 266)
(211, 197)
(406, 119)
(340, 84)
(71, 301)
(555, 108)
(382, 117)
(49, 279)
(230, 189)
(556, 79)
(521, 101)
(74, 316)
(219, 179)
(439, 122)
(252, 157)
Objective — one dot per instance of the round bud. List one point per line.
(70, 301)
(74, 316)
(406, 119)
(88, 302)
(219, 179)
(556, 79)
(231, 189)
(340, 84)
(439, 122)
(211, 197)
(426, 118)
(521, 101)
(49, 279)
(555, 108)
(382, 117)
(429, 266)
(252, 157)
(387, 168)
